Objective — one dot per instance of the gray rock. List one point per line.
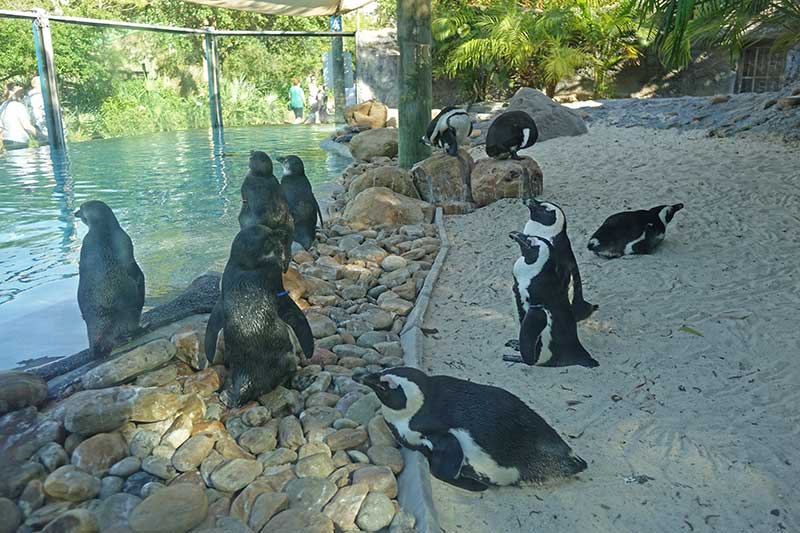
(209, 464)
(164, 452)
(377, 290)
(376, 512)
(174, 509)
(356, 327)
(279, 476)
(242, 505)
(281, 402)
(344, 507)
(391, 263)
(159, 467)
(24, 432)
(20, 389)
(12, 517)
(277, 457)
(397, 305)
(324, 399)
(52, 456)
(133, 485)
(354, 292)
(378, 479)
(388, 362)
(369, 251)
(75, 520)
(154, 405)
(236, 426)
(386, 456)
(113, 512)
(370, 339)
(377, 317)
(158, 377)
(31, 499)
(71, 484)
(364, 409)
(351, 241)
(299, 520)
(403, 522)
(129, 365)
(260, 439)
(310, 493)
(328, 342)
(179, 432)
(109, 486)
(125, 467)
(357, 456)
(96, 454)
(395, 278)
(552, 119)
(318, 417)
(345, 423)
(379, 432)
(349, 350)
(318, 465)
(345, 439)
(91, 412)
(256, 416)
(321, 325)
(313, 448)
(290, 433)
(265, 507)
(151, 488)
(143, 442)
(235, 474)
(192, 452)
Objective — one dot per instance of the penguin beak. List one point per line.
(373, 381)
(280, 159)
(78, 213)
(520, 237)
(425, 141)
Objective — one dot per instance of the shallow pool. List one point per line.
(176, 194)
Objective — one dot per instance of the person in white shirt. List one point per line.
(313, 90)
(15, 122)
(36, 104)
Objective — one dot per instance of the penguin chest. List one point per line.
(524, 274)
(482, 462)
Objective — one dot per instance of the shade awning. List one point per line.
(303, 8)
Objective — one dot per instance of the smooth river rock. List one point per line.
(174, 509)
(129, 365)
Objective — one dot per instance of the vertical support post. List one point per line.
(212, 70)
(43, 43)
(414, 109)
(337, 67)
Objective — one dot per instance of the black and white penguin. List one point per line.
(473, 435)
(263, 202)
(261, 350)
(633, 232)
(547, 220)
(111, 284)
(510, 132)
(449, 129)
(302, 203)
(548, 332)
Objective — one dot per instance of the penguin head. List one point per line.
(254, 247)
(96, 214)
(666, 212)
(292, 165)
(546, 219)
(533, 249)
(398, 388)
(260, 163)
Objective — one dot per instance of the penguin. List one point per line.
(110, 283)
(263, 202)
(302, 203)
(633, 232)
(548, 332)
(261, 350)
(547, 220)
(510, 132)
(449, 129)
(473, 435)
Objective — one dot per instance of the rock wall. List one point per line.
(377, 62)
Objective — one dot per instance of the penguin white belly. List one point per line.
(482, 462)
(629, 247)
(524, 274)
(546, 336)
(571, 289)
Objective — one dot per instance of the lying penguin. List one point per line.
(263, 202)
(473, 435)
(261, 350)
(510, 132)
(548, 333)
(449, 129)
(110, 283)
(302, 203)
(547, 220)
(633, 232)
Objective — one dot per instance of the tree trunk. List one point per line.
(414, 79)
(337, 58)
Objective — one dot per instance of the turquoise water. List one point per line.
(175, 194)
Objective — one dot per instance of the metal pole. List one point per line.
(414, 109)
(43, 43)
(212, 69)
(337, 58)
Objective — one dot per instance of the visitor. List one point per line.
(313, 91)
(297, 99)
(322, 106)
(36, 105)
(15, 123)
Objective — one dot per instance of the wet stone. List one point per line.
(173, 509)
(242, 505)
(357, 456)
(24, 432)
(153, 405)
(318, 465)
(340, 458)
(43, 516)
(279, 476)
(159, 467)
(209, 464)
(133, 485)
(376, 512)
(150, 488)
(236, 427)
(137, 361)
(178, 432)
(158, 377)
(71, 484)
(32, 498)
(125, 467)
(205, 383)
(110, 485)
(73, 521)
(313, 448)
(230, 450)
(114, 511)
(164, 452)
(192, 452)
(52, 456)
(96, 454)
(11, 516)
(20, 389)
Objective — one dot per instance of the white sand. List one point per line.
(714, 420)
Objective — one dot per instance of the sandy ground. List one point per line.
(712, 420)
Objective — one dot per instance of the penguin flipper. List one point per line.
(447, 463)
(215, 323)
(530, 335)
(580, 307)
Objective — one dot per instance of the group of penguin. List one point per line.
(474, 435)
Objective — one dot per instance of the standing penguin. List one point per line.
(547, 220)
(633, 232)
(263, 202)
(261, 350)
(302, 203)
(473, 435)
(111, 284)
(449, 129)
(548, 333)
(510, 132)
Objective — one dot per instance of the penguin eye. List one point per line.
(389, 380)
(244, 201)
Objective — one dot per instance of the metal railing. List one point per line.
(47, 69)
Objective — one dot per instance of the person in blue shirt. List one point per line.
(297, 99)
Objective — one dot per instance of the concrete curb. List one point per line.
(414, 483)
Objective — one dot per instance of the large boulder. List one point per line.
(493, 179)
(370, 113)
(379, 206)
(395, 178)
(20, 389)
(552, 119)
(444, 180)
(380, 142)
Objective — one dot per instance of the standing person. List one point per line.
(322, 106)
(14, 119)
(313, 91)
(36, 103)
(297, 99)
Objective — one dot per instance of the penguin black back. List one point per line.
(263, 203)
(633, 232)
(111, 284)
(510, 132)
(448, 129)
(300, 198)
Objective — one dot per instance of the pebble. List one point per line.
(115, 510)
(192, 452)
(133, 485)
(11, 516)
(256, 416)
(379, 432)
(279, 476)
(325, 399)
(317, 465)
(32, 498)
(71, 484)
(211, 462)
(260, 439)
(96, 454)
(403, 522)
(19, 389)
(150, 488)
(280, 402)
(73, 521)
(299, 520)
(173, 509)
(313, 448)
(125, 467)
(235, 474)
(242, 505)
(290, 433)
(24, 432)
(391, 263)
(159, 467)
(378, 479)
(236, 426)
(346, 438)
(376, 512)
(340, 458)
(357, 456)
(110, 485)
(398, 306)
(266, 506)
(229, 449)
(370, 339)
(368, 251)
(318, 417)
(153, 405)
(386, 456)
(389, 349)
(137, 361)
(363, 409)
(41, 517)
(309, 493)
(52, 456)
(321, 325)
(344, 507)
(277, 457)
(164, 451)
(345, 423)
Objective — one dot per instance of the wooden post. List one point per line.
(212, 68)
(43, 43)
(414, 109)
(337, 70)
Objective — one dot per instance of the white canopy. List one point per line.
(305, 8)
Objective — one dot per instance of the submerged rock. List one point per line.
(71, 484)
(129, 365)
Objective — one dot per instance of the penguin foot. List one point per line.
(467, 484)
(513, 358)
(513, 344)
